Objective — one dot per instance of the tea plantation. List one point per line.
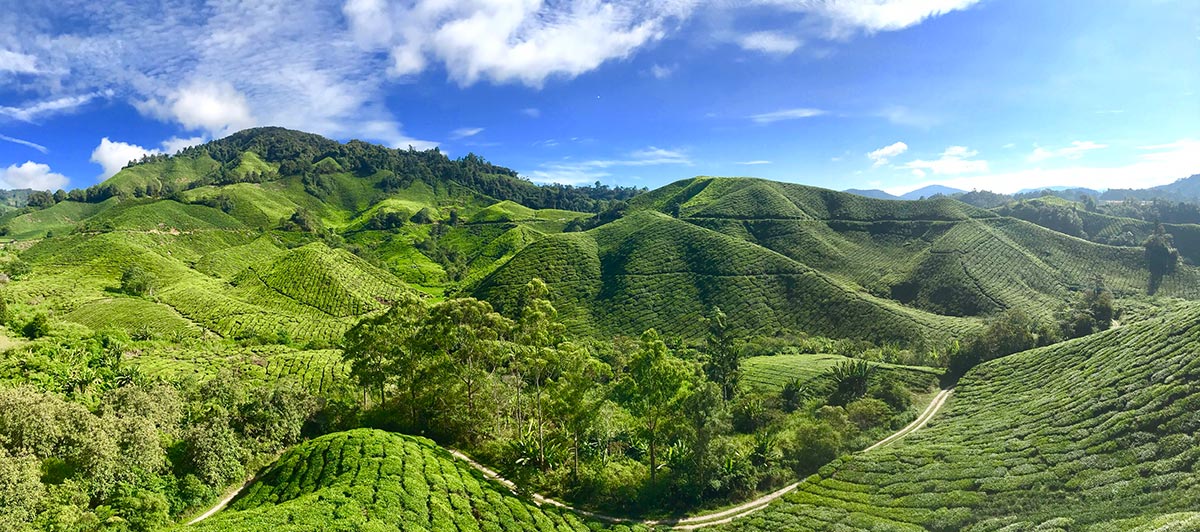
(1076, 436)
(373, 480)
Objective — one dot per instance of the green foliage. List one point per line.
(851, 379)
(654, 389)
(1097, 430)
(136, 281)
(37, 327)
(369, 479)
(724, 356)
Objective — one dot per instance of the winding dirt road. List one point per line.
(688, 523)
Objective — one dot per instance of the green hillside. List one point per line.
(1082, 436)
(651, 270)
(332, 281)
(372, 480)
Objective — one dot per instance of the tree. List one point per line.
(1161, 256)
(537, 334)
(466, 336)
(724, 355)
(1011, 332)
(136, 281)
(656, 384)
(379, 350)
(577, 396)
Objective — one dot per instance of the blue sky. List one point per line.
(892, 94)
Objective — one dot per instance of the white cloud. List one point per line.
(174, 144)
(753, 163)
(573, 173)
(786, 114)
(216, 108)
(1156, 165)
(113, 156)
(1074, 151)
(882, 155)
(464, 132)
(769, 42)
(17, 62)
(531, 112)
(23, 142)
(507, 41)
(846, 17)
(954, 160)
(662, 72)
(33, 111)
(32, 175)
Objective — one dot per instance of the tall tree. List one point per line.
(578, 395)
(380, 350)
(656, 384)
(467, 335)
(724, 355)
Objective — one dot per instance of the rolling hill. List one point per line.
(790, 257)
(373, 480)
(1092, 434)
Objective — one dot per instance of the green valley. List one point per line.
(317, 324)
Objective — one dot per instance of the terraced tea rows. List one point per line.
(650, 270)
(331, 281)
(137, 317)
(372, 480)
(1084, 433)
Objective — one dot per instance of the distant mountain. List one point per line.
(931, 190)
(1186, 189)
(1061, 189)
(871, 193)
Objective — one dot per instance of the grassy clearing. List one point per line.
(770, 373)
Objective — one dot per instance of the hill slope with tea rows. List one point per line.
(1092, 434)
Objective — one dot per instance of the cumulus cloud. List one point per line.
(662, 71)
(327, 66)
(882, 155)
(506, 41)
(32, 175)
(769, 42)
(17, 62)
(786, 114)
(112, 155)
(1074, 151)
(216, 108)
(954, 160)
(1156, 165)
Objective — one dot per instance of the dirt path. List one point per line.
(688, 523)
(723, 516)
(221, 503)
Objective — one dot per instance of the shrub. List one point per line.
(867, 413)
(136, 281)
